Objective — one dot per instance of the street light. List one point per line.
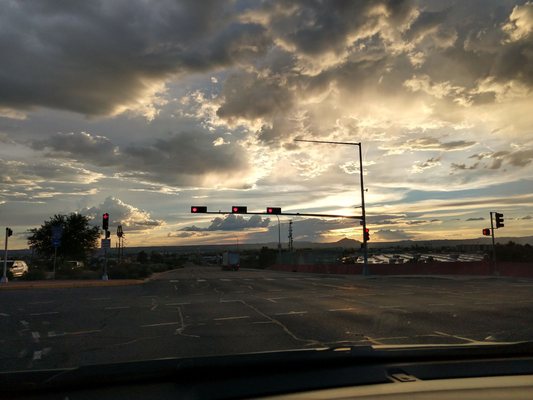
(365, 244)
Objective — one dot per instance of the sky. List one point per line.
(144, 108)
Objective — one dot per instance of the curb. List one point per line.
(68, 284)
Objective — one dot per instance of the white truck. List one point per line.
(230, 261)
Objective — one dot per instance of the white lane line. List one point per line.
(3, 314)
(45, 313)
(200, 280)
(177, 304)
(174, 281)
(42, 302)
(100, 298)
(292, 313)
(59, 334)
(117, 308)
(37, 355)
(36, 336)
(161, 324)
(269, 279)
(342, 309)
(273, 299)
(230, 318)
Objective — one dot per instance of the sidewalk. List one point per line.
(51, 284)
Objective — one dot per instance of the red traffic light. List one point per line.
(274, 210)
(486, 232)
(105, 221)
(366, 235)
(239, 209)
(198, 209)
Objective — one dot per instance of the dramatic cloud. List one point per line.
(165, 102)
(186, 159)
(103, 58)
(120, 213)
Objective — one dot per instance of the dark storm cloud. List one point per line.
(92, 57)
(475, 219)
(317, 26)
(181, 159)
(231, 223)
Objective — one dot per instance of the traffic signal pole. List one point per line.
(365, 241)
(4, 275)
(493, 245)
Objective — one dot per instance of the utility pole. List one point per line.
(365, 241)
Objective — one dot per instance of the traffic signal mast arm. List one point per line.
(281, 213)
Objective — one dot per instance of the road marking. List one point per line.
(42, 302)
(174, 281)
(58, 334)
(229, 300)
(292, 313)
(161, 324)
(269, 279)
(117, 308)
(45, 313)
(36, 336)
(175, 288)
(200, 280)
(100, 298)
(25, 323)
(230, 318)
(177, 304)
(3, 314)
(247, 279)
(37, 355)
(273, 299)
(342, 309)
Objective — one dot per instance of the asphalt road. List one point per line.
(204, 311)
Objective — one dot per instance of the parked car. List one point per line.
(17, 267)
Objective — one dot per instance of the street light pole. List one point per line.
(365, 244)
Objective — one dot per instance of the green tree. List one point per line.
(77, 240)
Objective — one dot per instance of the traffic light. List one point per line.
(105, 221)
(499, 220)
(486, 232)
(9, 232)
(274, 210)
(367, 234)
(107, 234)
(239, 209)
(198, 209)
(120, 232)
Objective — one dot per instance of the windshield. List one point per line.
(190, 178)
